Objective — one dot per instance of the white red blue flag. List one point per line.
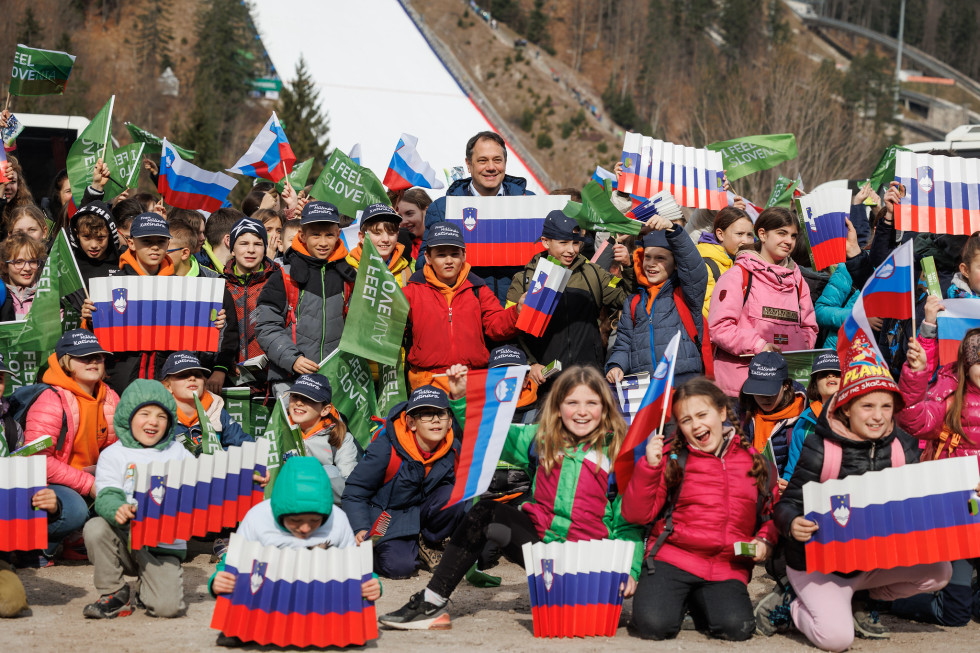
(960, 316)
(694, 176)
(186, 186)
(269, 156)
(942, 193)
(601, 175)
(22, 528)
(408, 169)
(653, 411)
(3, 164)
(355, 154)
(491, 398)
(824, 213)
(546, 287)
(629, 394)
(896, 517)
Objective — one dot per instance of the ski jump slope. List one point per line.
(377, 78)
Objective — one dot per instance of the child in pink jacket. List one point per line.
(762, 303)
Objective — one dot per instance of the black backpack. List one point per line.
(20, 403)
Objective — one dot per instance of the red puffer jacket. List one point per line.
(447, 325)
(716, 508)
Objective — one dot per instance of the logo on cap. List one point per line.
(120, 299)
(469, 218)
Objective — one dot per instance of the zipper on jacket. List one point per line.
(874, 445)
(450, 314)
(323, 308)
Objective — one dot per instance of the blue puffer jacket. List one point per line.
(631, 351)
(834, 305)
(380, 484)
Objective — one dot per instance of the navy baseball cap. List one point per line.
(506, 356)
(559, 226)
(427, 396)
(767, 372)
(445, 233)
(826, 362)
(181, 361)
(380, 212)
(656, 238)
(312, 386)
(78, 343)
(317, 211)
(146, 225)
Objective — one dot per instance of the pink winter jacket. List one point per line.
(925, 406)
(778, 310)
(44, 418)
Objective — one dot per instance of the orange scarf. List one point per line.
(447, 292)
(190, 420)
(764, 424)
(333, 417)
(816, 407)
(641, 278)
(93, 428)
(129, 258)
(407, 439)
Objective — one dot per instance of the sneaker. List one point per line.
(219, 549)
(228, 641)
(73, 547)
(417, 614)
(431, 555)
(772, 614)
(867, 621)
(110, 606)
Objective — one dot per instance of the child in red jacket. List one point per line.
(712, 481)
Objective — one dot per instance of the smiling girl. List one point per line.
(574, 446)
(762, 303)
(22, 258)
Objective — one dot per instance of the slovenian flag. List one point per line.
(186, 186)
(694, 176)
(601, 175)
(960, 316)
(3, 165)
(22, 528)
(888, 293)
(407, 169)
(650, 416)
(547, 285)
(629, 394)
(156, 313)
(896, 517)
(269, 156)
(491, 398)
(355, 153)
(824, 213)
(941, 193)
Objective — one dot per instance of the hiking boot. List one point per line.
(772, 614)
(867, 621)
(228, 641)
(110, 606)
(431, 555)
(219, 550)
(73, 547)
(417, 614)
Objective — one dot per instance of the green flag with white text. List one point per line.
(298, 177)
(377, 313)
(124, 169)
(885, 170)
(348, 186)
(285, 440)
(392, 388)
(597, 213)
(743, 156)
(154, 144)
(783, 192)
(353, 392)
(210, 442)
(39, 72)
(87, 149)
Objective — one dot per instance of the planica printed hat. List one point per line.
(767, 373)
(312, 386)
(864, 372)
(317, 211)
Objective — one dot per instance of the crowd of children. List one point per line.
(731, 470)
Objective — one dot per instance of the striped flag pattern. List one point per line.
(823, 214)
(186, 186)
(22, 528)
(547, 285)
(960, 316)
(942, 193)
(694, 176)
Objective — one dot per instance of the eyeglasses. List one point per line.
(429, 418)
(21, 262)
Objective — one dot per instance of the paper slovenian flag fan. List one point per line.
(823, 216)
(629, 394)
(21, 527)
(695, 177)
(960, 316)
(942, 193)
(547, 285)
(661, 204)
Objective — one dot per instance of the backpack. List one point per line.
(832, 454)
(20, 403)
(763, 507)
(704, 344)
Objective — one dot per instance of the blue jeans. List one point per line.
(74, 513)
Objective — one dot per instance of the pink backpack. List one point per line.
(832, 454)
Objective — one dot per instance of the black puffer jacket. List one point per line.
(857, 457)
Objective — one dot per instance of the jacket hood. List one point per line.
(113, 251)
(139, 393)
(959, 287)
(775, 276)
(128, 259)
(301, 487)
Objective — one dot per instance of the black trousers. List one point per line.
(721, 609)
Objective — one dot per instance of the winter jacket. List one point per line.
(20, 302)
(302, 307)
(573, 336)
(924, 415)
(394, 478)
(301, 487)
(717, 506)
(804, 426)
(442, 332)
(89, 267)
(245, 290)
(226, 356)
(496, 278)
(834, 305)
(110, 473)
(338, 462)
(45, 418)
(631, 351)
(717, 261)
(777, 311)
(227, 429)
(857, 457)
(782, 432)
(592, 512)
(959, 288)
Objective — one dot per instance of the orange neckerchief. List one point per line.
(93, 428)
(392, 261)
(447, 292)
(333, 417)
(338, 254)
(641, 278)
(816, 407)
(407, 439)
(190, 420)
(129, 258)
(529, 393)
(764, 424)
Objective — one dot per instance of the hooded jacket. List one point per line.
(717, 261)
(89, 267)
(245, 290)
(65, 397)
(399, 264)
(631, 352)
(715, 508)
(857, 457)
(834, 304)
(778, 311)
(111, 470)
(411, 481)
(19, 302)
(338, 462)
(228, 430)
(782, 431)
(311, 324)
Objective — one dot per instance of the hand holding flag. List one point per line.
(269, 156)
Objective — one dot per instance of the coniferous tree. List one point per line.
(301, 116)
(155, 36)
(29, 30)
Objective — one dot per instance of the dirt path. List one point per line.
(492, 620)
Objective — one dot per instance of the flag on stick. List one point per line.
(210, 443)
(408, 169)
(154, 144)
(269, 156)
(91, 145)
(297, 178)
(348, 186)
(40, 72)
(353, 392)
